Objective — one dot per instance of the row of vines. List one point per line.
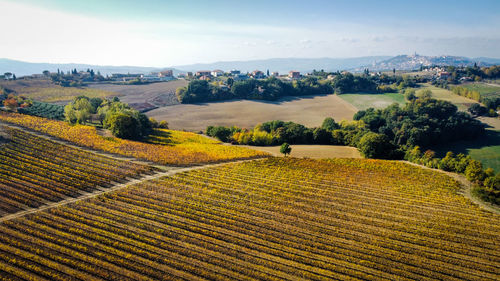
(35, 171)
(181, 154)
(276, 219)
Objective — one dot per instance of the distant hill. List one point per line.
(284, 65)
(21, 68)
(413, 62)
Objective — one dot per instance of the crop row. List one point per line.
(35, 171)
(182, 154)
(229, 223)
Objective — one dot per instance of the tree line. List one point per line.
(273, 88)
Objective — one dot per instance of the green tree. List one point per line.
(373, 145)
(124, 126)
(329, 124)
(285, 149)
(78, 111)
(474, 171)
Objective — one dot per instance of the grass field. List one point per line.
(485, 149)
(363, 101)
(313, 151)
(182, 154)
(36, 171)
(443, 94)
(310, 111)
(276, 219)
(483, 88)
(45, 91)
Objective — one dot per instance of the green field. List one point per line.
(485, 149)
(363, 101)
(443, 94)
(483, 89)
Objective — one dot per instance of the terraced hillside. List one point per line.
(36, 171)
(274, 219)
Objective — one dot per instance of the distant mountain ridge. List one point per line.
(281, 65)
(284, 65)
(21, 68)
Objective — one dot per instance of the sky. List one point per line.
(169, 33)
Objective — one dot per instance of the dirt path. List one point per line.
(88, 195)
(466, 189)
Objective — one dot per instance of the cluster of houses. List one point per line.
(165, 75)
(237, 75)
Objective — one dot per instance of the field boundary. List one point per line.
(88, 195)
(465, 189)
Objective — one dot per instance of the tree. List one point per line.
(474, 171)
(78, 111)
(220, 132)
(46, 73)
(329, 124)
(11, 103)
(477, 110)
(410, 94)
(373, 145)
(426, 93)
(14, 77)
(124, 126)
(285, 149)
(7, 75)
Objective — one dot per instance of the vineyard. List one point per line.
(180, 154)
(43, 109)
(274, 219)
(36, 171)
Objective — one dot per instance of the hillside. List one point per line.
(285, 219)
(21, 68)
(413, 62)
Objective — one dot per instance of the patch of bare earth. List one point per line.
(309, 111)
(312, 151)
(157, 94)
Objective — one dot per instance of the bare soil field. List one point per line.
(312, 151)
(156, 94)
(309, 111)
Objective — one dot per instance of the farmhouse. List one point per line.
(294, 74)
(217, 72)
(240, 77)
(204, 73)
(257, 74)
(166, 73)
(443, 75)
(235, 72)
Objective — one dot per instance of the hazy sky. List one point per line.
(167, 33)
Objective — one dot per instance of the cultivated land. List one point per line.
(156, 94)
(36, 171)
(363, 101)
(485, 89)
(44, 90)
(313, 151)
(193, 151)
(443, 94)
(306, 110)
(279, 218)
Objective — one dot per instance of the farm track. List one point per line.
(87, 195)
